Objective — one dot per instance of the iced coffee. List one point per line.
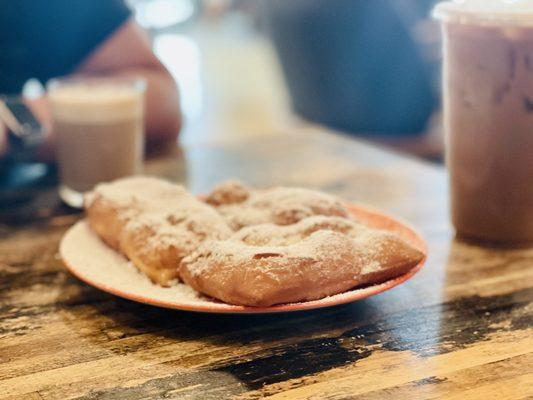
(488, 107)
(99, 128)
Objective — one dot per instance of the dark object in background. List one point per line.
(47, 39)
(20, 176)
(28, 194)
(353, 64)
(21, 181)
(25, 133)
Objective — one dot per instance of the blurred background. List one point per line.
(252, 67)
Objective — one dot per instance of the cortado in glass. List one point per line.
(99, 124)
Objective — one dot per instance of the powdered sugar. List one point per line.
(138, 189)
(316, 238)
(229, 192)
(163, 222)
(96, 263)
(279, 205)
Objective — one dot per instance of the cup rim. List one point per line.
(136, 82)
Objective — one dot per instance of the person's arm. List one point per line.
(127, 52)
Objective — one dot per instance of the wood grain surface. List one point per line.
(460, 329)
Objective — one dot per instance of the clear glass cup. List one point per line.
(99, 124)
(488, 117)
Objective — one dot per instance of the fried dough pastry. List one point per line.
(153, 223)
(242, 207)
(319, 256)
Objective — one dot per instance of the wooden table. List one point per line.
(461, 329)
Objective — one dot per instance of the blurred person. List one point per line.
(362, 67)
(58, 38)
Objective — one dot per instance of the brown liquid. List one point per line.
(489, 123)
(89, 153)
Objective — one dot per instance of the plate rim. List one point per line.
(349, 296)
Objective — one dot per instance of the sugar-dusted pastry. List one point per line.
(319, 256)
(153, 223)
(242, 206)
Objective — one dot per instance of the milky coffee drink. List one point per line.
(99, 131)
(488, 107)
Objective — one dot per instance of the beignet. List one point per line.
(319, 256)
(153, 223)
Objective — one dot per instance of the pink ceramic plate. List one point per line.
(96, 264)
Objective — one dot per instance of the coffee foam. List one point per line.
(487, 12)
(96, 104)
